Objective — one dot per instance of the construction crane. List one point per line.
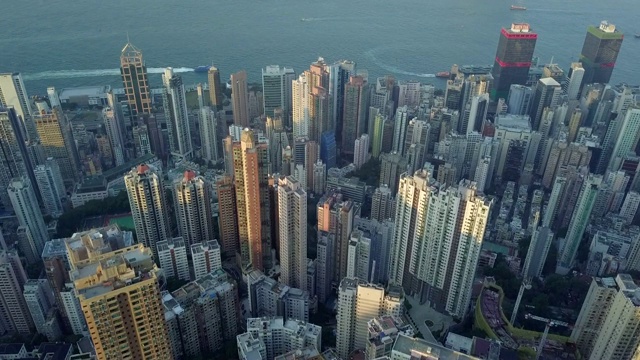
(549, 323)
(526, 285)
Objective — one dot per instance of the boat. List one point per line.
(443, 74)
(202, 68)
(516, 7)
(637, 36)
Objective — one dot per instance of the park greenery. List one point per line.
(73, 220)
(369, 172)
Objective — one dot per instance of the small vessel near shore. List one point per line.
(516, 7)
(443, 74)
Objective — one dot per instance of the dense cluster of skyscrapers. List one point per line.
(503, 154)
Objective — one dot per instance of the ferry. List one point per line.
(443, 74)
(202, 69)
(516, 7)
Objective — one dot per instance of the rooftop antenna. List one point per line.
(128, 41)
(551, 63)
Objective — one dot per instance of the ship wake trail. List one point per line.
(66, 74)
(393, 69)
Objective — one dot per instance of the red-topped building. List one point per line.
(513, 58)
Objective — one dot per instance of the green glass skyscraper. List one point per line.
(599, 53)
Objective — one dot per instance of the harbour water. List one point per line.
(66, 44)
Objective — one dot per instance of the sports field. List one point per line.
(124, 221)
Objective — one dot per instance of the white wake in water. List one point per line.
(391, 68)
(65, 74)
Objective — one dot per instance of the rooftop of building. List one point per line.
(91, 91)
(308, 353)
(85, 345)
(113, 270)
(198, 248)
(54, 248)
(83, 245)
(549, 81)
(606, 282)
(172, 243)
(120, 170)
(511, 122)
(250, 346)
(419, 347)
(54, 351)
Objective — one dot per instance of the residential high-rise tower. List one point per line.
(292, 217)
(193, 208)
(240, 98)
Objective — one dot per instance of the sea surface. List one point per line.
(67, 43)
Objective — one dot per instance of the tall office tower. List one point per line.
(593, 313)
(447, 280)
(411, 205)
(172, 257)
(382, 204)
(292, 218)
(519, 100)
(148, 205)
(205, 257)
(141, 141)
(324, 264)
(135, 327)
(300, 106)
(630, 206)
(215, 88)
(319, 177)
(518, 146)
(358, 303)
(114, 130)
(15, 159)
(328, 150)
(51, 187)
(359, 256)
(57, 141)
(208, 128)
(547, 93)
(267, 297)
(513, 58)
(276, 90)
(176, 115)
(391, 167)
(25, 205)
(320, 120)
(39, 298)
(15, 316)
(354, 113)
(134, 79)
(474, 114)
(574, 81)
(240, 98)
(280, 337)
(600, 52)
(227, 219)
(482, 173)
(54, 257)
(339, 74)
(251, 168)
(399, 132)
(361, 151)
(617, 338)
(378, 133)
(627, 138)
(579, 222)
(454, 93)
(541, 240)
(13, 94)
(193, 208)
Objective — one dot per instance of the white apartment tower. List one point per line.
(25, 204)
(358, 303)
(292, 217)
(208, 128)
(14, 312)
(574, 80)
(39, 299)
(618, 337)
(205, 257)
(148, 205)
(593, 313)
(300, 106)
(172, 256)
(411, 206)
(192, 198)
(361, 150)
(14, 94)
(177, 115)
(51, 186)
